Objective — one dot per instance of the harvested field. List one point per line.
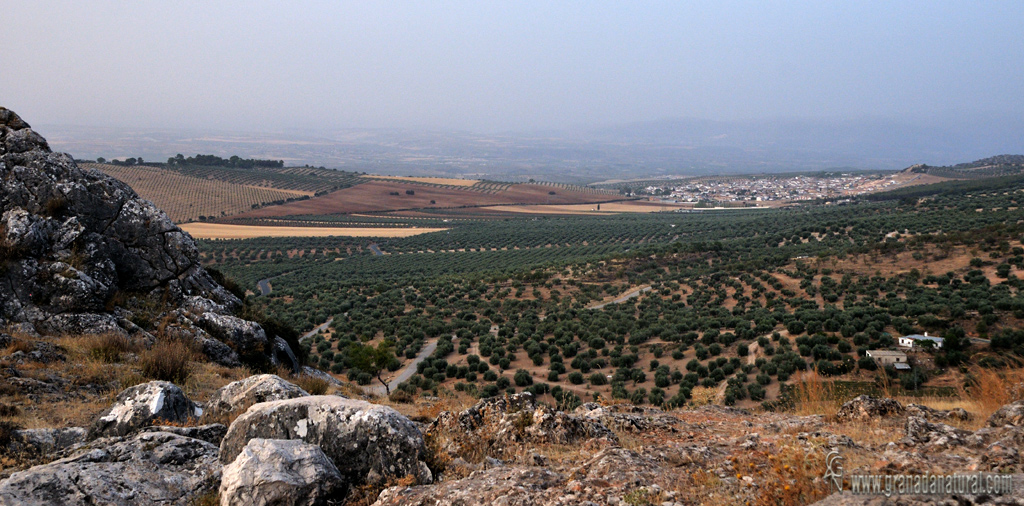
(447, 181)
(186, 198)
(223, 231)
(592, 209)
(376, 196)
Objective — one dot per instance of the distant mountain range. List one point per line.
(653, 148)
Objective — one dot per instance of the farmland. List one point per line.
(740, 301)
(186, 198)
(387, 195)
(222, 231)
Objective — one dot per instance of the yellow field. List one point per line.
(222, 231)
(431, 180)
(591, 209)
(186, 198)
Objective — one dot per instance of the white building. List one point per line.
(909, 341)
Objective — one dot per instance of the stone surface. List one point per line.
(212, 433)
(273, 471)
(143, 405)
(1010, 414)
(149, 469)
(252, 390)
(866, 407)
(80, 247)
(937, 414)
(368, 443)
(44, 441)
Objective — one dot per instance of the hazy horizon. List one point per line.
(488, 67)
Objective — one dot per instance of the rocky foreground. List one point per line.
(285, 446)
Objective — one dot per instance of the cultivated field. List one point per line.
(446, 181)
(222, 231)
(185, 198)
(376, 196)
(593, 209)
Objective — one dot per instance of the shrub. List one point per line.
(598, 379)
(311, 384)
(169, 360)
(576, 378)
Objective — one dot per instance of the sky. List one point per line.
(503, 66)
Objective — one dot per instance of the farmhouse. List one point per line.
(898, 359)
(909, 341)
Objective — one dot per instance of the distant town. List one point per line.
(774, 188)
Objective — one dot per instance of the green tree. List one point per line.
(372, 360)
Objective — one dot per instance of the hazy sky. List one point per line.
(488, 65)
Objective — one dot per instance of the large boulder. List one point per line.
(143, 405)
(149, 469)
(273, 471)
(866, 407)
(252, 390)
(1010, 414)
(367, 442)
(79, 248)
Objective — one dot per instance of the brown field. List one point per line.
(376, 196)
(185, 198)
(448, 181)
(637, 206)
(223, 231)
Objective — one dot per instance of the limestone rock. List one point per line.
(143, 405)
(149, 469)
(44, 441)
(367, 442)
(500, 485)
(940, 435)
(252, 390)
(1010, 414)
(212, 433)
(273, 471)
(937, 414)
(866, 407)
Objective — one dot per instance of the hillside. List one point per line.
(187, 198)
(995, 166)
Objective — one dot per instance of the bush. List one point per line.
(311, 384)
(576, 378)
(598, 379)
(108, 347)
(169, 360)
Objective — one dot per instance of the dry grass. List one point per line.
(108, 347)
(222, 231)
(314, 386)
(169, 360)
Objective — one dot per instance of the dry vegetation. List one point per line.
(186, 198)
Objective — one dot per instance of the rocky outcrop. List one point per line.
(241, 394)
(627, 418)
(937, 414)
(866, 407)
(939, 435)
(44, 441)
(1010, 414)
(368, 443)
(142, 405)
(212, 433)
(79, 249)
(518, 418)
(272, 471)
(149, 469)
